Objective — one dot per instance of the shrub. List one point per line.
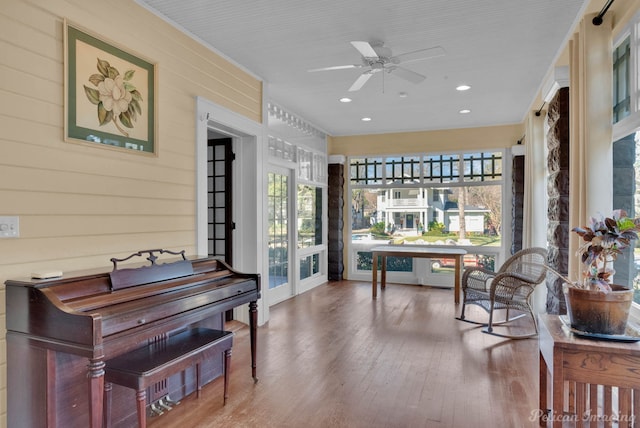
(435, 226)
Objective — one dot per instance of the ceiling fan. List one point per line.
(376, 58)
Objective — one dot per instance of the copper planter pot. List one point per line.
(597, 312)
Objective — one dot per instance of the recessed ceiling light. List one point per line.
(403, 94)
(465, 111)
(463, 88)
(345, 100)
(366, 119)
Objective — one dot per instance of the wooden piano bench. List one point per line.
(143, 367)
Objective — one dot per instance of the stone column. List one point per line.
(517, 203)
(558, 193)
(336, 222)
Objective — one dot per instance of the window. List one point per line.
(298, 174)
(403, 169)
(427, 199)
(278, 218)
(309, 216)
(626, 195)
(621, 80)
(626, 148)
(441, 169)
(366, 171)
(309, 266)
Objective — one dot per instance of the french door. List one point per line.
(219, 196)
(279, 229)
(219, 215)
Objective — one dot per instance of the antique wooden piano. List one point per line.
(61, 330)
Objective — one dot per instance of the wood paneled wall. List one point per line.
(79, 205)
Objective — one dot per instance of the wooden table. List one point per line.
(583, 372)
(427, 252)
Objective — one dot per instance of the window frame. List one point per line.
(383, 183)
(631, 122)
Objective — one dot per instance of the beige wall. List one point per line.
(493, 137)
(79, 206)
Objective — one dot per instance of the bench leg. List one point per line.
(106, 417)
(141, 397)
(227, 366)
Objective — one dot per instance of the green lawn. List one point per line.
(482, 240)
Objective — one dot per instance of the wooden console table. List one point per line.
(429, 252)
(586, 375)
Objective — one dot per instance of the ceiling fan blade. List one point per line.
(360, 81)
(365, 49)
(336, 67)
(409, 75)
(418, 55)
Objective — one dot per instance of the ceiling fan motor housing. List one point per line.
(382, 51)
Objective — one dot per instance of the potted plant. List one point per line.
(594, 303)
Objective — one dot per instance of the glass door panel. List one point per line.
(278, 230)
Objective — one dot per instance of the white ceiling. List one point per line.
(502, 48)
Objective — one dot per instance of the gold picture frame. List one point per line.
(110, 94)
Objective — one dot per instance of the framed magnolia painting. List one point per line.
(110, 94)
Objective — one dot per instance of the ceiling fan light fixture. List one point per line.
(345, 100)
(463, 87)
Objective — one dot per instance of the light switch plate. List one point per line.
(9, 227)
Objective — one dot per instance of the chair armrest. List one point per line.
(477, 278)
(508, 284)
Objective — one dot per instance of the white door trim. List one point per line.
(248, 182)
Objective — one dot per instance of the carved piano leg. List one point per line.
(141, 398)
(227, 369)
(253, 330)
(96, 391)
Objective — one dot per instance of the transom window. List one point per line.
(404, 169)
(366, 171)
(443, 168)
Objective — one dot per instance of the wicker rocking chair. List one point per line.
(510, 289)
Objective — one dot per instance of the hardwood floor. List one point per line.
(333, 357)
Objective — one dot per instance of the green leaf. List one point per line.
(626, 224)
(113, 72)
(103, 67)
(129, 75)
(136, 95)
(96, 79)
(92, 94)
(104, 116)
(135, 105)
(134, 111)
(125, 118)
(129, 87)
